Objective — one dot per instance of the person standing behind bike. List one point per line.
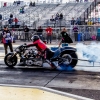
(49, 34)
(26, 31)
(75, 30)
(65, 37)
(40, 32)
(7, 39)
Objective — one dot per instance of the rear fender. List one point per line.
(68, 49)
(59, 51)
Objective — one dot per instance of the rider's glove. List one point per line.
(25, 46)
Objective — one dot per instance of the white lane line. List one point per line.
(49, 90)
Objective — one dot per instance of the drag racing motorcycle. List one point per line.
(66, 55)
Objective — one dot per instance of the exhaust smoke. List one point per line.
(89, 52)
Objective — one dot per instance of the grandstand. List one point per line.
(40, 14)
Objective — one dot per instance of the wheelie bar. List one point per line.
(87, 60)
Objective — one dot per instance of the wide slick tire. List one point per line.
(10, 61)
(71, 56)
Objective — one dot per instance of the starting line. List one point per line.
(18, 92)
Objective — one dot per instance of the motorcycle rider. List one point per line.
(42, 47)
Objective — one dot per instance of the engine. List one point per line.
(32, 57)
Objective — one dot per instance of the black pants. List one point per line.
(49, 53)
(6, 47)
(26, 36)
(76, 36)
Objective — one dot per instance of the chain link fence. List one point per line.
(85, 33)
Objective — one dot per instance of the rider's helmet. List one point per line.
(35, 38)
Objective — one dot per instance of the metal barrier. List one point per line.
(85, 33)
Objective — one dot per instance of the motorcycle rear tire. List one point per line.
(14, 61)
(73, 55)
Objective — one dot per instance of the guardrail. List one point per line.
(85, 32)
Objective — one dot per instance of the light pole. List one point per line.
(29, 17)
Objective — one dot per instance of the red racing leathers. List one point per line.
(41, 46)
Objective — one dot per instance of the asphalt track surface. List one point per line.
(80, 82)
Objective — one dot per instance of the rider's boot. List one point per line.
(53, 65)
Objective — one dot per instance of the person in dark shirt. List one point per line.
(65, 37)
(26, 31)
(61, 16)
(11, 15)
(7, 39)
(72, 21)
(0, 16)
(40, 32)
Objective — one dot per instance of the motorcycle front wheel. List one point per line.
(10, 60)
(69, 58)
